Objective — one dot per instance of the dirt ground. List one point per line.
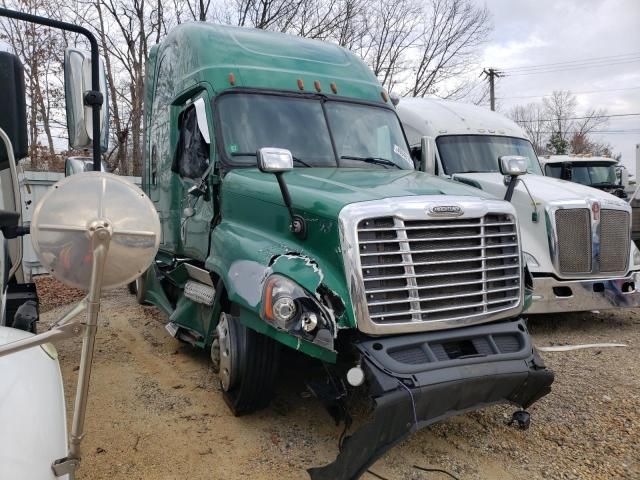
(155, 411)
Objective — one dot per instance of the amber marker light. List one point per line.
(317, 85)
(384, 96)
(232, 79)
(300, 84)
(268, 301)
(334, 87)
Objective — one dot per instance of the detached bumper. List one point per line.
(417, 380)
(552, 295)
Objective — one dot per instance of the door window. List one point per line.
(192, 152)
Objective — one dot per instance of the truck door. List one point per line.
(193, 163)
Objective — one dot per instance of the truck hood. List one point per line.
(325, 191)
(32, 411)
(544, 189)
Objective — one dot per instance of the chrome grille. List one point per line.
(614, 240)
(573, 227)
(575, 249)
(434, 270)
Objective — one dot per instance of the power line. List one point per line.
(573, 93)
(600, 132)
(582, 118)
(569, 62)
(570, 68)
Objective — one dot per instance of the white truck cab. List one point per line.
(576, 239)
(603, 173)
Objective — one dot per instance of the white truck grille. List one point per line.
(576, 253)
(439, 269)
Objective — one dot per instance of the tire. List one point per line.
(139, 289)
(246, 363)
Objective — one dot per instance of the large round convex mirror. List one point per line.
(62, 224)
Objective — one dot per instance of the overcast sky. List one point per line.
(534, 32)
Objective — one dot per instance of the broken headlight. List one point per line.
(289, 307)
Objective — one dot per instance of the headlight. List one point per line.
(280, 300)
(531, 260)
(636, 255)
(289, 307)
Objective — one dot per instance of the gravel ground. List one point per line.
(155, 411)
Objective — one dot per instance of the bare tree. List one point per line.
(266, 14)
(560, 108)
(390, 34)
(135, 26)
(452, 33)
(38, 48)
(531, 118)
(554, 126)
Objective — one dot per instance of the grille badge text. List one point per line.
(445, 211)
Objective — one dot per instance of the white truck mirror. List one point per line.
(428, 155)
(77, 82)
(513, 165)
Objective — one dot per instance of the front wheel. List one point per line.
(246, 363)
(139, 289)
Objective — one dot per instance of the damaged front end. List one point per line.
(419, 379)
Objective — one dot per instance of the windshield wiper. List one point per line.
(373, 160)
(253, 154)
(605, 184)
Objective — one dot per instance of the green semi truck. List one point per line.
(293, 216)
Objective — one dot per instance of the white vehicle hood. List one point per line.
(33, 428)
(545, 190)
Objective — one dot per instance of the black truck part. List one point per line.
(417, 380)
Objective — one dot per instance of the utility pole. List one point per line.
(491, 74)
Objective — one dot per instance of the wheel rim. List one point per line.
(222, 350)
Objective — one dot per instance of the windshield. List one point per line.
(365, 136)
(587, 174)
(480, 153)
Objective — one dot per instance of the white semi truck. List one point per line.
(576, 239)
(603, 173)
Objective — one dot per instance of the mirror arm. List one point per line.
(101, 238)
(298, 225)
(64, 328)
(95, 67)
(511, 187)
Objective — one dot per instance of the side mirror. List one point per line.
(77, 82)
(274, 160)
(13, 116)
(428, 155)
(73, 165)
(624, 176)
(513, 165)
(278, 161)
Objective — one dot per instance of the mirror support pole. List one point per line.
(94, 97)
(298, 225)
(101, 237)
(511, 187)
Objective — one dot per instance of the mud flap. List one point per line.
(406, 402)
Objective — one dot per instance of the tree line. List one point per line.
(554, 126)
(414, 47)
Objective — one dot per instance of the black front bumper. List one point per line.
(419, 379)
